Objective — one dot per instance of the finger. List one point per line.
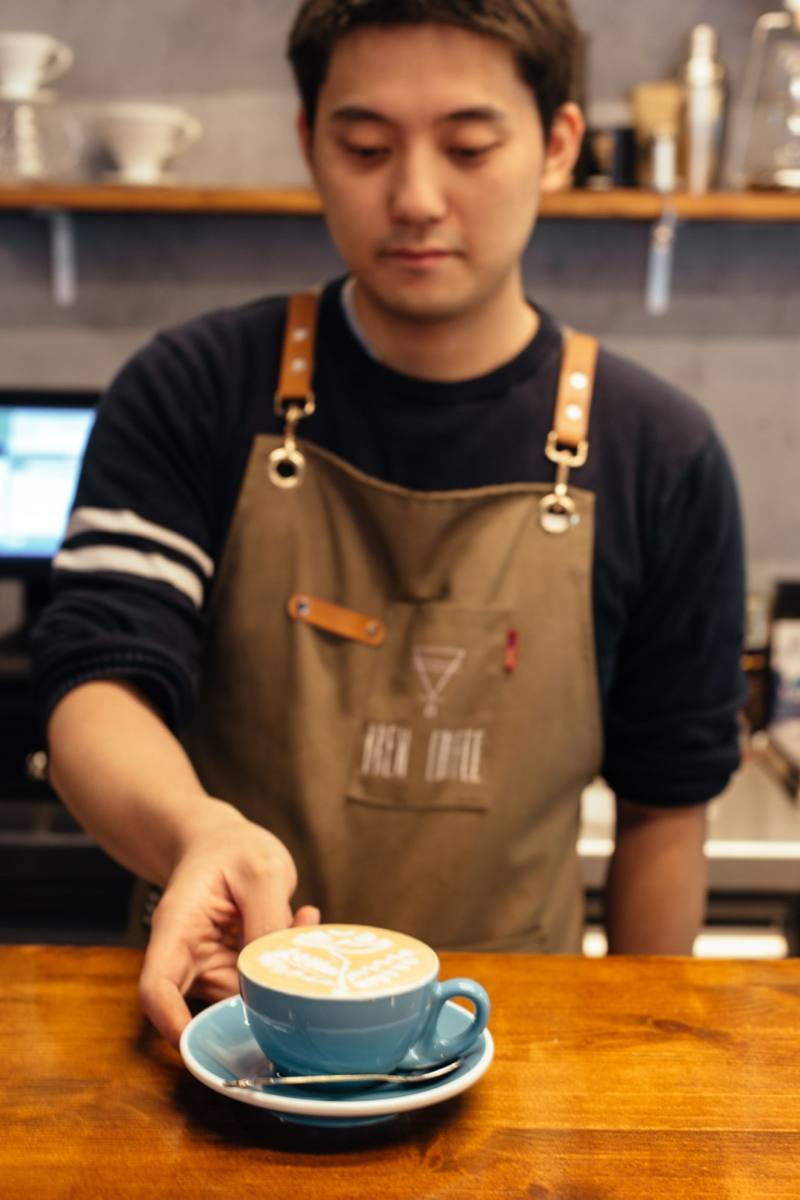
(307, 915)
(220, 986)
(167, 973)
(162, 1001)
(263, 907)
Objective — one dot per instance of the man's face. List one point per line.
(429, 155)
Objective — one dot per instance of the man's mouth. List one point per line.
(412, 254)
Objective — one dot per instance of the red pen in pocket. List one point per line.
(511, 660)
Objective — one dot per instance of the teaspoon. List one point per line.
(256, 1082)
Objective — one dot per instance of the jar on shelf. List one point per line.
(764, 149)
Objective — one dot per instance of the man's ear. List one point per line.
(305, 138)
(563, 148)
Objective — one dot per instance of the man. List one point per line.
(401, 620)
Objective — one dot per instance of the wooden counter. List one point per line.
(618, 1078)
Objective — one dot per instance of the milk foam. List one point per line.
(338, 961)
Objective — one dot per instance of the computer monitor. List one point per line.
(42, 439)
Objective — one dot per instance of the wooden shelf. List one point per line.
(630, 204)
(617, 205)
(88, 197)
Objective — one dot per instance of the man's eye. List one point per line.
(367, 153)
(471, 152)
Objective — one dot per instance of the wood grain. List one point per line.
(626, 204)
(617, 1078)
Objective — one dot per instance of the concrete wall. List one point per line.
(731, 337)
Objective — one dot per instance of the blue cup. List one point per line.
(335, 999)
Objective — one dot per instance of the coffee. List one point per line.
(344, 999)
(349, 962)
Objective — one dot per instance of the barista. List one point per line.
(358, 650)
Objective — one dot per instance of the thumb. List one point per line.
(307, 915)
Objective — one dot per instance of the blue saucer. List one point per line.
(217, 1046)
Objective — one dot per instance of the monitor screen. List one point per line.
(42, 440)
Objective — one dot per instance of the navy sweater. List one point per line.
(166, 459)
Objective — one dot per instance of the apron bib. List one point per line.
(401, 686)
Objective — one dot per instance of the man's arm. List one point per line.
(128, 781)
(125, 777)
(656, 885)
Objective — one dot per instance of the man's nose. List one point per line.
(417, 195)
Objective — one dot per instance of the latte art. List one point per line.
(338, 962)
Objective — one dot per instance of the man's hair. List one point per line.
(542, 34)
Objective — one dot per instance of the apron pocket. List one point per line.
(427, 736)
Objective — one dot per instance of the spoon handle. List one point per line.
(255, 1082)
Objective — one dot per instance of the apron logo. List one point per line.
(386, 751)
(455, 755)
(435, 666)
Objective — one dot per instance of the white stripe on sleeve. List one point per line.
(132, 562)
(109, 520)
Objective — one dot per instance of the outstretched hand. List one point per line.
(233, 883)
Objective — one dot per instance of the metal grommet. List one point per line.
(36, 766)
(303, 608)
(286, 468)
(557, 514)
(372, 629)
(579, 381)
(573, 412)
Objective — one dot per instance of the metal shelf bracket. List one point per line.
(663, 236)
(63, 256)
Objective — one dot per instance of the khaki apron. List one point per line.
(401, 686)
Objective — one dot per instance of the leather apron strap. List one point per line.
(567, 443)
(575, 390)
(294, 398)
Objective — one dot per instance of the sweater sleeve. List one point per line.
(672, 720)
(132, 577)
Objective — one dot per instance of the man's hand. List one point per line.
(232, 883)
(127, 779)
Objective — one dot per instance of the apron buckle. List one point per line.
(287, 465)
(557, 511)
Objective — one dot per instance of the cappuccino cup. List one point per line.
(29, 60)
(351, 999)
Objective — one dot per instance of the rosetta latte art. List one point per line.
(342, 962)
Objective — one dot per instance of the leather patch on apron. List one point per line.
(343, 622)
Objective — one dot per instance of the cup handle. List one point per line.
(431, 1048)
(61, 60)
(190, 132)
